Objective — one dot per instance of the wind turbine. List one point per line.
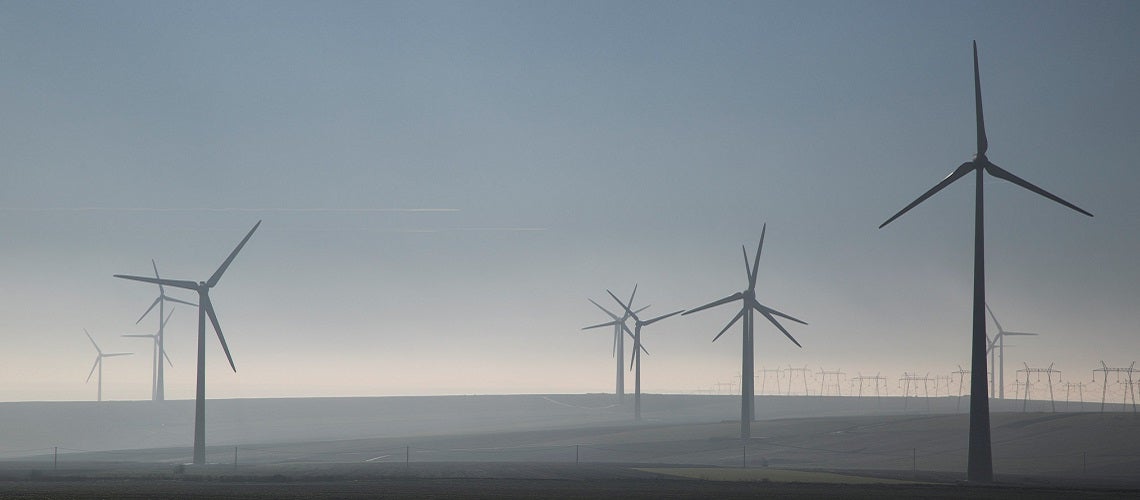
(749, 305)
(999, 341)
(158, 353)
(619, 342)
(158, 391)
(99, 362)
(635, 360)
(205, 307)
(980, 464)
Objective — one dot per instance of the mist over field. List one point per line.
(380, 224)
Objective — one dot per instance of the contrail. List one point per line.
(223, 209)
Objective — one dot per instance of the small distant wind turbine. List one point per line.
(99, 362)
(635, 360)
(205, 307)
(980, 463)
(619, 342)
(749, 305)
(158, 391)
(158, 353)
(998, 341)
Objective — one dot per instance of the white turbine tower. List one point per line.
(158, 391)
(99, 362)
(205, 308)
(158, 352)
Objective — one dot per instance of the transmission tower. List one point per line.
(878, 380)
(765, 372)
(1128, 383)
(909, 380)
(824, 387)
(803, 374)
(1048, 373)
(1080, 391)
(961, 377)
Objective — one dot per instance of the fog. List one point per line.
(442, 186)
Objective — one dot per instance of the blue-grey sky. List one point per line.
(576, 146)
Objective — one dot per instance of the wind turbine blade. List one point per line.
(661, 317)
(152, 304)
(730, 298)
(611, 323)
(93, 367)
(627, 310)
(983, 143)
(222, 269)
(155, 266)
(631, 295)
(644, 350)
(747, 270)
(178, 301)
(729, 325)
(1020, 333)
(781, 327)
(97, 349)
(218, 328)
(994, 317)
(617, 338)
(189, 285)
(1004, 174)
(756, 262)
(167, 320)
(612, 315)
(627, 331)
(639, 310)
(167, 356)
(759, 306)
(633, 356)
(962, 170)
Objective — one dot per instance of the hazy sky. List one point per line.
(580, 146)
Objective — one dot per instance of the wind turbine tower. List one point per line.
(998, 341)
(748, 306)
(205, 308)
(158, 354)
(99, 362)
(635, 362)
(979, 467)
(618, 322)
(158, 389)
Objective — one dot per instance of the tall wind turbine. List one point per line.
(998, 341)
(158, 353)
(158, 391)
(205, 307)
(99, 362)
(749, 305)
(980, 465)
(635, 360)
(619, 342)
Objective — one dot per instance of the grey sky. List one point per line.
(582, 145)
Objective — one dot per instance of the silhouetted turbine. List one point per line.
(99, 362)
(205, 307)
(635, 360)
(999, 342)
(158, 352)
(158, 388)
(980, 466)
(619, 342)
(749, 304)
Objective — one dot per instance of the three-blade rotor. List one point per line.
(748, 298)
(638, 322)
(981, 162)
(203, 289)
